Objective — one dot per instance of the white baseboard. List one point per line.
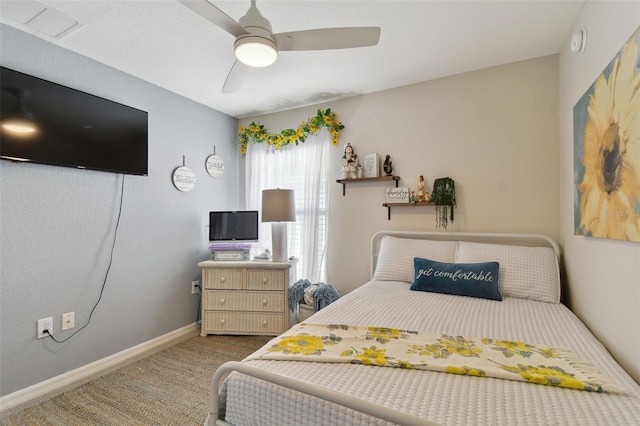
(86, 372)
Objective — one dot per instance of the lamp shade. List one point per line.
(278, 205)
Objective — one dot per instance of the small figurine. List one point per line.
(421, 188)
(388, 168)
(412, 198)
(360, 172)
(349, 163)
(353, 172)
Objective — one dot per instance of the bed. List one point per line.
(281, 392)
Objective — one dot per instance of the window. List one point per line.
(302, 168)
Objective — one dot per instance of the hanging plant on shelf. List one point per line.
(444, 197)
(256, 133)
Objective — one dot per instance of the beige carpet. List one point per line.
(170, 387)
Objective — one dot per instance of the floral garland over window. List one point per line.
(258, 134)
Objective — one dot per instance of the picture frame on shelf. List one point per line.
(371, 165)
(398, 195)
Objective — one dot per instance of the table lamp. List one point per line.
(278, 207)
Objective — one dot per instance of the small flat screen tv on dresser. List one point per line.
(70, 128)
(233, 226)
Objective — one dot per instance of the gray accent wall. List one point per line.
(58, 224)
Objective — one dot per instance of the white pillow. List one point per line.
(525, 272)
(395, 258)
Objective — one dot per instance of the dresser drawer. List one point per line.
(223, 278)
(265, 279)
(244, 323)
(265, 301)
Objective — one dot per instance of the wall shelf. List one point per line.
(417, 203)
(344, 182)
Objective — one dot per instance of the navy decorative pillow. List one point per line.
(462, 279)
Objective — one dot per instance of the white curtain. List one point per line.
(302, 168)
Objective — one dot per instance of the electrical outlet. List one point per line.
(195, 287)
(45, 324)
(68, 320)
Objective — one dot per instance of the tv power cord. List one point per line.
(106, 275)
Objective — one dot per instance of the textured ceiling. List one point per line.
(165, 43)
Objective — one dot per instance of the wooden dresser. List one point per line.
(249, 297)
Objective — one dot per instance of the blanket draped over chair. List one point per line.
(482, 357)
(322, 294)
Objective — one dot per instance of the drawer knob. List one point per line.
(222, 301)
(264, 301)
(223, 321)
(223, 279)
(264, 280)
(264, 322)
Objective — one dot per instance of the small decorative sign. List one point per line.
(214, 165)
(398, 195)
(371, 165)
(184, 179)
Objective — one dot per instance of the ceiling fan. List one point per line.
(257, 46)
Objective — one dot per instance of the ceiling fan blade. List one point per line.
(215, 15)
(237, 76)
(328, 38)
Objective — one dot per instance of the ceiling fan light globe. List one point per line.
(256, 51)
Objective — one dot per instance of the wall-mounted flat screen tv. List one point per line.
(233, 225)
(66, 127)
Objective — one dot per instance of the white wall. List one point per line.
(57, 226)
(495, 132)
(604, 275)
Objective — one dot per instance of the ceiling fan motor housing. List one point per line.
(258, 48)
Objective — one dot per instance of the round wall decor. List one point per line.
(184, 179)
(214, 165)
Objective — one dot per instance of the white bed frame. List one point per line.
(344, 400)
(349, 401)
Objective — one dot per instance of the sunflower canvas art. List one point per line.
(606, 132)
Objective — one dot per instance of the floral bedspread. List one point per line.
(482, 357)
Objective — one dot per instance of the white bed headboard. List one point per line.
(532, 240)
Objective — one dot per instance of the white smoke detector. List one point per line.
(579, 41)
